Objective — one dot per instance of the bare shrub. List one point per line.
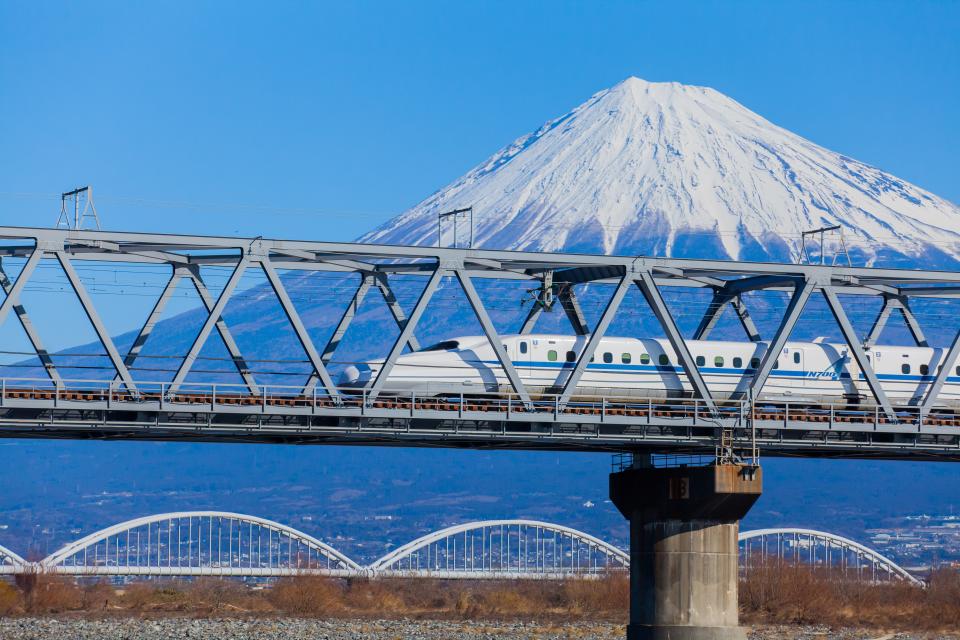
(312, 596)
(98, 595)
(216, 593)
(10, 599)
(52, 594)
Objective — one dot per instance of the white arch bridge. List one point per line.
(219, 543)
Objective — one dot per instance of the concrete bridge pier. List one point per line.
(684, 523)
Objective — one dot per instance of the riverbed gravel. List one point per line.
(299, 629)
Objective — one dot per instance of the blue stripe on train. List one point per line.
(650, 368)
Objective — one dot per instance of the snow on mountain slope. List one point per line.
(669, 169)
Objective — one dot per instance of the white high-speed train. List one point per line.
(816, 372)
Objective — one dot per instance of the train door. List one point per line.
(523, 357)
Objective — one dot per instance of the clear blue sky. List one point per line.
(322, 120)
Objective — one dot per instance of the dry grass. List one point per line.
(785, 595)
(800, 595)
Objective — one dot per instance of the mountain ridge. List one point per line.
(676, 170)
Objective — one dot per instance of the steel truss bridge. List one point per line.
(128, 407)
(216, 543)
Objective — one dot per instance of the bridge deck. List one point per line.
(585, 424)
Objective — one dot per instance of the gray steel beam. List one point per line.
(303, 336)
(853, 342)
(99, 328)
(912, 323)
(652, 295)
(493, 337)
(212, 318)
(387, 292)
(30, 331)
(790, 316)
(711, 315)
(879, 323)
(568, 300)
(890, 303)
(137, 346)
(531, 320)
(946, 366)
(366, 281)
(743, 314)
(591, 347)
(221, 325)
(13, 295)
(405, 333)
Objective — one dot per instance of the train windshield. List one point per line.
(446, 345)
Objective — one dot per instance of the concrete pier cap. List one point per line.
(684, 523)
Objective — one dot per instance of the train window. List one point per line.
(645, 359)
(664, 359)
(625, 358)
(924, 369)
(571, 356)
(608, 357)
(796, 357)
(905, 368)
(718, 361)
(776, 363)
(552, 355)
(958, 369)
(523, 347)
(754, 363)
(738, 363)
(701, 361)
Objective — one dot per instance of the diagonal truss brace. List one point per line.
(891, 303)
(405, 333)
(719, 302)
(319, 369)
(101, 330)
(213, 317)
(368, 280)
(801, 294)
(591, 347)
(946, 366)
(30, 331)
(853, 342)
(648, 287)
(151, 322)
(493, 337)
(193, 273)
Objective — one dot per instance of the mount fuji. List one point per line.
(669, 169)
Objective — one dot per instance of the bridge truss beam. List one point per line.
(126, 406)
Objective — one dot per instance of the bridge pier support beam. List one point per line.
(684, 523)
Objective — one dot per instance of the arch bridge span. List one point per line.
(221, 543)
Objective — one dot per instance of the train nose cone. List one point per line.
(349, 377)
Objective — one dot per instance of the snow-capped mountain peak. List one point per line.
(670, 169)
